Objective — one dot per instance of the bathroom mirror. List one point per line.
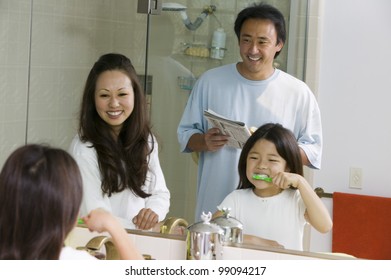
(50, 47)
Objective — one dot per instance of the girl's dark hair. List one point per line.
(286, 146)
(40, 197)
(265, 12)
(123, 162)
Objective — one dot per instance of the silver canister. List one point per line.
(233, 229)
(204, 240)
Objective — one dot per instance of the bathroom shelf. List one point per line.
(199, 50)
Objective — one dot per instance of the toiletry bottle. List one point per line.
(218, 44)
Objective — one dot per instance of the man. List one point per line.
(251, 91)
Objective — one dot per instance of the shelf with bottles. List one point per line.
(200, 50)
(196, 50)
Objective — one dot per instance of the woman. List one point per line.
(115, 149)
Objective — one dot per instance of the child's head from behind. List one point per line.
(269, 150)
(40, 197)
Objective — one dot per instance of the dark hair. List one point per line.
(286, 146)
(40, 197)
(123, 162)
(265, 12)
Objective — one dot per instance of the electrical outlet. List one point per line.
(355, 181)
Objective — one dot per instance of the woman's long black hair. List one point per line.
(123, 162)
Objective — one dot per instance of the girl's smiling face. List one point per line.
(264, 159)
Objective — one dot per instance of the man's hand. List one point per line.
(214, 140)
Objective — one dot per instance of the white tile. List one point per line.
(158, 248)
(232, 253)
(177, 250)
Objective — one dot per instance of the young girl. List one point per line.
(40, 196)
(273, 200)
(115, 149)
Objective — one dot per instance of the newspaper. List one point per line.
(238, 131)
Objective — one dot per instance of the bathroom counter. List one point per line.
(173, 247)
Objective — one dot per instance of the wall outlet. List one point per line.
(355, 181)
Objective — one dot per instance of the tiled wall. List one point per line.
(14, 69)
(314, 41)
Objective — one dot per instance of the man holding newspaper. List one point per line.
(252, 92)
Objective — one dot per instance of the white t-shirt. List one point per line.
(280, 217)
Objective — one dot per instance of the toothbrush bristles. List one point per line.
(262, 177)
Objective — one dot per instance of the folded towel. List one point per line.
(362, 225)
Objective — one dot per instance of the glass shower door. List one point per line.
(178, 53)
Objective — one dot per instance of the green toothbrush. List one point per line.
(262, 177)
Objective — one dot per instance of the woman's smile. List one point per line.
(114, 98)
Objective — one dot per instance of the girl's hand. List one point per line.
(145, 219)
(99, 220)
(285, 180)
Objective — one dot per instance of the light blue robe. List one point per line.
(280, 99)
